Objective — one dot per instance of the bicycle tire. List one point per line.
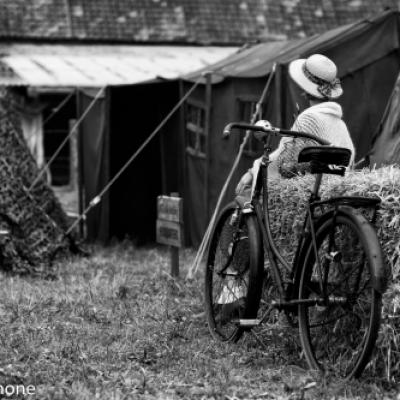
(235, 293)
(340, 338)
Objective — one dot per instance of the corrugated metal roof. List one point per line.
(98, 65)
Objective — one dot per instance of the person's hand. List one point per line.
(265, 124)
(245, 181)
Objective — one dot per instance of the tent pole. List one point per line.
(163, 161)
(81, 183)
(278, 94)
(107, 167)
(207, 132)
(163, 165)
(182, 160)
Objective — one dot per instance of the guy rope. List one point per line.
(207, 235)
(59, 107)
(97, 199)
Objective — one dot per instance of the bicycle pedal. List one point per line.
(248, 323)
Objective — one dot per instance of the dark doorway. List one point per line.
(135, 111)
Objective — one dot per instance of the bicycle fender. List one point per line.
(378, 278)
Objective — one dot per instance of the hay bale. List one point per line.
(287, 209)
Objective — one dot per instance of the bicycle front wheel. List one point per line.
(234, 271)
(339, 335)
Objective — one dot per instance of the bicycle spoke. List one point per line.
(329, 321)
(333, 350)
(345, 279)
(229, 293)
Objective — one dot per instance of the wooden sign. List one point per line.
(169, 233)
(170, 208)
(169, 226)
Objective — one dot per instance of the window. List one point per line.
(247, 108)
(195, 129)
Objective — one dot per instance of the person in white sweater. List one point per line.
(317, 77)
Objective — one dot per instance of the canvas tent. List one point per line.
(122, 92)
(386, 144)
(368, 59)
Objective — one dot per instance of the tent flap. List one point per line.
(94, 162)
(368, 59)
(352, 46)
(386, 146)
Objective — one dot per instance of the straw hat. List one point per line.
(317, 75)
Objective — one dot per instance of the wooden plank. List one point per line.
(196, 102)
(170, 208)
(169, 233)
(194, 128)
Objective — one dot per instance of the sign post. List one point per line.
(170, 227)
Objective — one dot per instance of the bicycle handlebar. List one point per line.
(273, 131)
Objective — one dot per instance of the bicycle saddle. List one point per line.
(326, 159)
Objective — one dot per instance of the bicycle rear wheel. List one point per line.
(339, 336)
(234, 271)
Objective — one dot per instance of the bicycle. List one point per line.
(336, 281)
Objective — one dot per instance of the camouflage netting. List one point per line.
(34, 218)
(287, 207)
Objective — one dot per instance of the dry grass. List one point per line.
(288, 199)
(116, 326)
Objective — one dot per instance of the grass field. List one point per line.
(115, 325)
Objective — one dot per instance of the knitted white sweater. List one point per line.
(323, 120)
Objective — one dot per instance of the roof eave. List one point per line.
(104, 41)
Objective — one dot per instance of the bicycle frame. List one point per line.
(262, 215)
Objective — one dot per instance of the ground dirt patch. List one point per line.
(116, 326)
